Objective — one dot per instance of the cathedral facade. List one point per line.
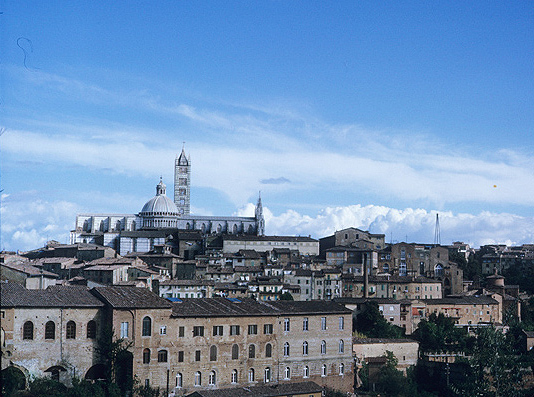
(159, 218)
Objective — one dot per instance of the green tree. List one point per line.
(286, 296)
(372, 324)
(438, 334)
(496, 368)
(12, 380)
(392, 382)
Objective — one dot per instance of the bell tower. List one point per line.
(182, 183)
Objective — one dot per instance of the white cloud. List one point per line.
(28, 223)
(418, 225)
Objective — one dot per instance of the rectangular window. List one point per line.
(181, 332)
(162, 356)
(267, 329)
(197, 355)
(286, 324)
(181, 356)
(234, 329)
(217, 330)
(124, 330)
(198, 330)
(341, 323)
(163, 330)
(323, 323)
(252, 329)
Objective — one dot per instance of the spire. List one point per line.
(182, 159)
(260, 221)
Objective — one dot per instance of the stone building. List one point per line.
(304, 245)
(405, 350)
(51, 332)
(394, 287)
(196, 344)
(25, 274)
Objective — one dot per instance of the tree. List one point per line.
(286, 296)
(372, 324)
(497, 370)
(392, 382)
(438, 334)
(12, 380)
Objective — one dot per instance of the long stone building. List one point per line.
(182, 346)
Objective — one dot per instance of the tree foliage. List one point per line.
(438, 334)
(372, 324)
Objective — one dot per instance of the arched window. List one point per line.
(234, 231)
(91, 329)
(341, 346)
(162, 356)
(305, 348)
(234, 376)
(251, 351)
(50, 330)
(341, 369)
(179, 380)
(146, 356)
(286, 349)
(27, 330)
(213, 353)
(267, 375)
(71, 330)
(235, 352)
(268, 350)
(306, 372)
(212, 378)
(323, 370)
(147, 326)
(198, 378)
(251, 375)
(287, 373)
(323, 347)
(438, 270)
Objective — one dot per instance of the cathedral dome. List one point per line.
(160, 204)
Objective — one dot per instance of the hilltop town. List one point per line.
(196, 304)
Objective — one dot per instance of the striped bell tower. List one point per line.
(182, 183)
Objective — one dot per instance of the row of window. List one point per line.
(234, 329)
(28, 330)
(163, 355)
(267, 375)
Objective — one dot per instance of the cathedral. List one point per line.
(159, 218)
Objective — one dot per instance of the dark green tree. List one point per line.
(286, 296)
(497, 370)
(372, 324)
(438, 334)
(12, 380)
(392, 382)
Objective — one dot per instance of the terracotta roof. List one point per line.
(249, 237)
(120, 297)
(222, 307)
(364, 341)
(280, 389)
(29, 270)
(14, 295)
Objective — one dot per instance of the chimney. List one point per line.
(365, 277)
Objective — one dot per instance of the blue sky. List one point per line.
(342, 114)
